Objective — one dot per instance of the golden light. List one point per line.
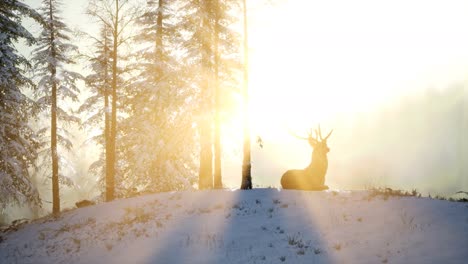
(313, 61)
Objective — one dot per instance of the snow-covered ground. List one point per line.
(255, 226)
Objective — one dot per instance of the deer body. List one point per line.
(313, 176)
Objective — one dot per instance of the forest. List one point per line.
(157, 82)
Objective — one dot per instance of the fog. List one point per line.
(415, 141)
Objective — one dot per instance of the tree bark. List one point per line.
(246, 163)
(218, 184)
(107, 118)
(53, 122)
(110, 184)
(206, 152)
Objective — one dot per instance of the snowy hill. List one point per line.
(256, 226)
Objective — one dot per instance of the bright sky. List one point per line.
(313, 59)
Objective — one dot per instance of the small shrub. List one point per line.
(108, 247)
(389, 192)
(282, 258)
(301, 251)
(238, 207)
(77, 241)
(65, 228)
(204, 210)
(317, 251)
(337, 247)
(294, 240)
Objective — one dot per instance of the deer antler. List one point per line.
(329, 134)
(320, 133)
(297, 136)
(310, 135)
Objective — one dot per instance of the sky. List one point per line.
(333, 63)
(340, 56)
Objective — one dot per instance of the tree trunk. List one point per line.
(107, 118)
(218, 184)
(246, 163)
(53, 124)
(110, 184)
(206, 156)
(206, 152)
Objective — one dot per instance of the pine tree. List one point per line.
(96, 106)
(226, 65)
(51, 58)
(211, 50)
(159, 137)
(18, 146)
(117, 15)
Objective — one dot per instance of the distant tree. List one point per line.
(56, 82)
(97, 107)
(18, 146)
(117, 15)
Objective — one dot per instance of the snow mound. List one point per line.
(254, 226)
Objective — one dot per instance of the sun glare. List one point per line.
(311, 60)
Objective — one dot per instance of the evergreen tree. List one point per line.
(158, 139)
(56, 82)
(211, 57)
(226, 65)
(18, 146)
(97, 107)
(117, 16)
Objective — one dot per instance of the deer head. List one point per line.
(313, 176)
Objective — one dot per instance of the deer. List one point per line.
(313, 176)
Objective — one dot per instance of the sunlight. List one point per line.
(202, 230)
(311, 60)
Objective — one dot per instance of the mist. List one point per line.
(414, 141)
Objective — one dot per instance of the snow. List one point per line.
(254, 226)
